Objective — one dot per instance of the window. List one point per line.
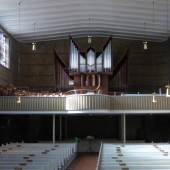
(4, 50)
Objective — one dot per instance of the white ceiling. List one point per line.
(56, 19)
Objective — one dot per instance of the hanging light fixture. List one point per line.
(145, 43)
(89, 37)
(154, 98)
(34, 43)
(34, 46)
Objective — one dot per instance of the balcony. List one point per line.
(85, 104)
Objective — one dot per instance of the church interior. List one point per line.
(84, 85)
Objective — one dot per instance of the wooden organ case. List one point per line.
(92, 69)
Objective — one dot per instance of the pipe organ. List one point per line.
(61, 76)
(119, 81)
(90, 70)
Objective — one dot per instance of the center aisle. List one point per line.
(86, 161)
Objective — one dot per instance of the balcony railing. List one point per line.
(92, 103)
(32, 104)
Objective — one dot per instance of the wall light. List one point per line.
(19, 100)
(167, 90)
(154, 99)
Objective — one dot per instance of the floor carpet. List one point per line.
(84, 162)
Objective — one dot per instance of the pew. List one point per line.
(134, 157)
(39, 156)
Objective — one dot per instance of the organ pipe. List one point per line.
(102, 63)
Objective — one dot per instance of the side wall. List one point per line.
(8, 76)
(148, 70)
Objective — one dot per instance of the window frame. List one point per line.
(7, 63)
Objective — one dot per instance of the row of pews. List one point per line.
(134, 157)
(45, 156)
(36, 156)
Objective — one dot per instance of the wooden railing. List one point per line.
(96, 103)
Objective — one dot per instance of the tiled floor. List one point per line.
(84, 162)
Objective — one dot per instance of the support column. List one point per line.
(66, 131)
(123, 128)
(53, 129)
(60, 137)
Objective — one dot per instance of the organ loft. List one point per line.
(90, 70)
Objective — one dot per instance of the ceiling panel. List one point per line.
(38, 20)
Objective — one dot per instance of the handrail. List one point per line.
(80, 91)
(98, 161)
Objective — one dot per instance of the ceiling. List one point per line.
(39, 20)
